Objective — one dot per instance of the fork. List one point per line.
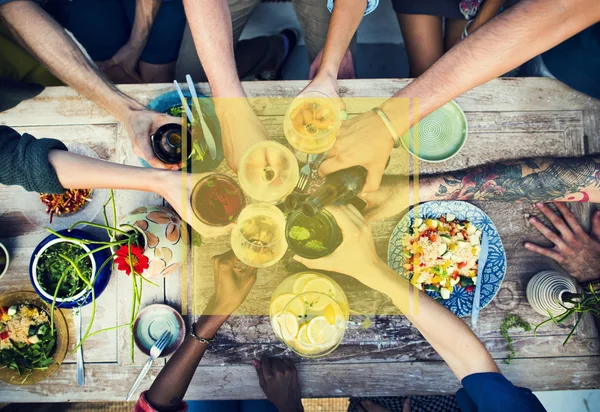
(304, 176)
(155, 352)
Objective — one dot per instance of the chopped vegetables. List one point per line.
(299, 233)
(26, 339)
(441, 254)
(66, 203)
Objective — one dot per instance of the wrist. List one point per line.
(124, 108)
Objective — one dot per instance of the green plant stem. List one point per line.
(99, 248)
(135, 301)
(52, 307)
(99, 226)
(107, 329)
(89, 285)
(82, 241)
(148, 280)
(573, 330)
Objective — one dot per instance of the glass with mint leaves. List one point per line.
(312, 237)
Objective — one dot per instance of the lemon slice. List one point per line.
(320, 332)
(301, 282)
(280, 302)
(321, 285)
(303, 336)
(288, 326)
(330, 314)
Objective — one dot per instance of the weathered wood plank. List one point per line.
(62, 105)
(110, 383)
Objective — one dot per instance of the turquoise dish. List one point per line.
(150, 324)
(438, 136)
(460, 302)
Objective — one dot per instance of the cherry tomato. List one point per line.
(433, 237)
(470, 288)
(462, 265)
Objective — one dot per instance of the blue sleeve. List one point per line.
(492, 392)
(371, 5)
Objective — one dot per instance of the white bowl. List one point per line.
(39, 287)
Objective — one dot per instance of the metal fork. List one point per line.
(155, 352)
(304, 176)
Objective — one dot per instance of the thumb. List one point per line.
(373, 180)
(596, 225)
(331, 165)
(304, 261)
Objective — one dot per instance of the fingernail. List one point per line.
(527, 245)
(531, 219)
(296, 258)
(539, 205)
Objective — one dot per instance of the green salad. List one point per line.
(26, 339)
(198, 151)
(57, 276)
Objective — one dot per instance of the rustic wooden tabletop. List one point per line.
(508, 118)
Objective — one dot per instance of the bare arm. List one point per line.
(448, 335)
(232, 285)
(575, 179)
(345, 19)
(53, 47)
(145, 12)
(210, 24)
(505, 42)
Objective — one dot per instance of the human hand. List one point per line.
(240, 128)
(370, 406)
(329, 87)
(176, 187)
(356, 256)
(140, 123)
(125, 59)
(233, 282)
(278, 378)
(345, 71)
(576, 251)
(390, 199)
(365, 141)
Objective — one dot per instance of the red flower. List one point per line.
(138, 260)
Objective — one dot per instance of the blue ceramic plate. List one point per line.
(461, 301)
(100, 280)
(152, 321)
(165, 102)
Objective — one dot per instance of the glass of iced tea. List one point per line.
(217, 200)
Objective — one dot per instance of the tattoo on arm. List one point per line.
(536, 180)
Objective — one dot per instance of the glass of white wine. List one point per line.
(311, 124)
(258, 240)
(268, 172)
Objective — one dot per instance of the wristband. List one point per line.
(591, 283)
(465, 33)
(199, 339)
(389, 126)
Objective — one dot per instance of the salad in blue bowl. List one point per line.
(63, 270)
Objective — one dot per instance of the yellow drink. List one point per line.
(308, 313)
(311, 123)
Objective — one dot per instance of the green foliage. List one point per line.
(512, 321)
(51, 268)
(315, 245)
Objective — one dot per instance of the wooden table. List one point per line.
(508, 118)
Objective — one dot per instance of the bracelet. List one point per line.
(466, 30)
(199, 339)
(389, 126)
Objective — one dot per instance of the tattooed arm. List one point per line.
(574, 179)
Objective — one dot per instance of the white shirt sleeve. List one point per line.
(371, 5)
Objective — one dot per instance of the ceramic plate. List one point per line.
(461, 301)
(441, 134)
(35, 211)
(152, 321)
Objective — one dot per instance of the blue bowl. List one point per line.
(98, 258)
(165, 102)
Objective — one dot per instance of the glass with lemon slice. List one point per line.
(309, 313)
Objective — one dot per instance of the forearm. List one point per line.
(80, 172)
(53, 47)
(145, 12)
(507, 41)
(345, 19)
(447, 334)
(210, 25)
(534, 180)
(168, 390)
